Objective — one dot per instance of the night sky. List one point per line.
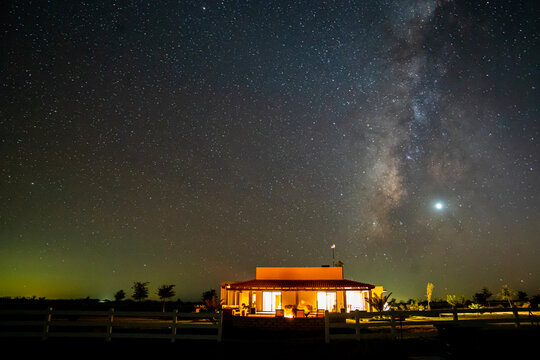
(189, 142)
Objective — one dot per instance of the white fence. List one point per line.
(357, 322)
(111, 324)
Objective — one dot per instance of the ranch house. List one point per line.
(297, 292)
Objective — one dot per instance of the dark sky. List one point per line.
(189, 142)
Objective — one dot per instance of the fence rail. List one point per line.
(361, 321)
(111, 324)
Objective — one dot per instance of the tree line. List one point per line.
(481, 299)
(165, 292)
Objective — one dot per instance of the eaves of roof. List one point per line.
(299, 285)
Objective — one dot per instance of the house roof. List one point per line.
(299, 285)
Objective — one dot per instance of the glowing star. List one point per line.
(439, 205)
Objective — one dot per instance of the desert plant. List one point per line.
(476, 306)
(429, 292)
(455, 300)
(165, 292)
(140, 290)
(413, 305)
(507, 294)
(379, 302)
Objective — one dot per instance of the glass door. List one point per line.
(326, 301)
(271, 301)
(355, 301)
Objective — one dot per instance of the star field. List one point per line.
(189, 142)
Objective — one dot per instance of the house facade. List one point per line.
(297, 292)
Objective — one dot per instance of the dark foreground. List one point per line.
(462, 343)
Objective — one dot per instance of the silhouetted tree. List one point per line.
(140, 290)
(210, 300)
(120, 295)
(522, 296)
(479, 298)
(165, 292)
(482, 297)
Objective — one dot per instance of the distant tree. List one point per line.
(535, 300)
(487, 294)
(120, 295)
(379, 302)
(522, 296)
(140, 291)
(455, 300)
(479, 298)
(429, 292)
(507, 294)
(165, 292)
(482, 297)
(210, 300)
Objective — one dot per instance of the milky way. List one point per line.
(189, 142)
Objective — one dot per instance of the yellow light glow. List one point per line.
(288, 312)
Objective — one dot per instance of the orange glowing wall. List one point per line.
(299, 273)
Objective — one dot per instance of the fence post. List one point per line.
(173, 327)
(515, 310)
(454, 313)
(108, 335)
(326, 327)
(357, 325)
(392, 323)
(47, 324)
(220, 326)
